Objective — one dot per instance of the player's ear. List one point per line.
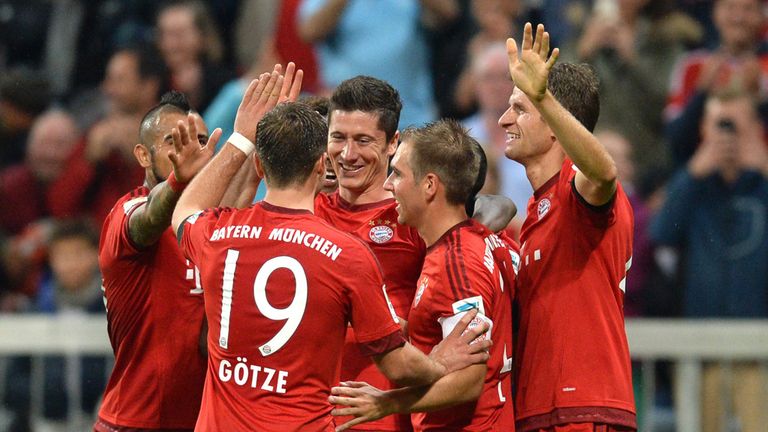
(392, 144)
(430, 185)
(319, 168)
(141, 153)
(258, 166)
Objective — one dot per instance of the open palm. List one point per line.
(530, 69)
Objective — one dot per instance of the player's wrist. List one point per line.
(242, 143)
(175, 184)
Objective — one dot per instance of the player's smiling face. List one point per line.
(528, 135)
(358, 150)
(405, 187)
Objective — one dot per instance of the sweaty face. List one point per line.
(163, 141)
(528, 136)
(358, 150)
(405, 188)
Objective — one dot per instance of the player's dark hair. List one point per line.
(171, 101)
(71, 228)
(576, 87)
(445, 148)
(469, 206)
(321, 104)
(370, 95)
(290, 140)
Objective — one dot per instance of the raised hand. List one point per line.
(263, 94)
(530, 70)
(188, 157)
(462, 348)
(362, 401)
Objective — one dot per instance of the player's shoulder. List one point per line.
(131, 199)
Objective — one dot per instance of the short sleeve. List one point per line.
(194, 233)
(599, 217)
(116, 241)
(372, 315)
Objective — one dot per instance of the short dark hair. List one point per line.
(445, 148)
(150, 64)
(577, 88)
(70, 228)
(289, 141)
(321, 104)
(371, 95)
(171, 101)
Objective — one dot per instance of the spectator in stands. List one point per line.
(716, 210)
(740, 60)
(352, 38)
(72, 286)
(492, 87)
(633, 46)
(191, 47)
(23, 96)
(103, 167)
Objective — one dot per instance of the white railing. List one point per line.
(685, 342)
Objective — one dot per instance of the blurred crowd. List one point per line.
(684, 88)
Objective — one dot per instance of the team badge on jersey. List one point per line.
(381, 234)
(544, 206)
(422, 286)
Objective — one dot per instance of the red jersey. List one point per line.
(400, 250)
(154, 313)
(281, 286)
(572, 357)
(468, 267)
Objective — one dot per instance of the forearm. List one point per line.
(208, 187)
(242, 188)
(408, 366)
(579, 144)
(494, 211)
(148, 223)
(322, 22)
(453, 389)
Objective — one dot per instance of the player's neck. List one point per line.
(542, 168)
(299, 198)
(368, 196)
(438, 219)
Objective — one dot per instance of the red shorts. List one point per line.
(587, 427)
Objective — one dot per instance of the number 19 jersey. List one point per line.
(280, 287)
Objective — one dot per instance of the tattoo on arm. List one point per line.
(148, 223)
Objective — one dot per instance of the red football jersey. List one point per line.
(400, 250)
(572, 359)
(154, 313)
(468, 267)
(281, 286)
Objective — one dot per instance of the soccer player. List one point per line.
(362, 137)
(281, 284)
(434, 173)
(572, 361)
(153, 295)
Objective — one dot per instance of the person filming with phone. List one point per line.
(716, 213)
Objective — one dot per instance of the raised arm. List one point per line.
(148, 222)
(263, 94)
(596, 179)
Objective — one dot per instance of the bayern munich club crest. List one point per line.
(544, 206)
(381, 234)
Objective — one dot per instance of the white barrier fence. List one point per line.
(685, 342)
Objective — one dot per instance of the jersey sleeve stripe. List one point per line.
(466, 285)
(452, 269)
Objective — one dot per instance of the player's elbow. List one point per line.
(607, 177)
